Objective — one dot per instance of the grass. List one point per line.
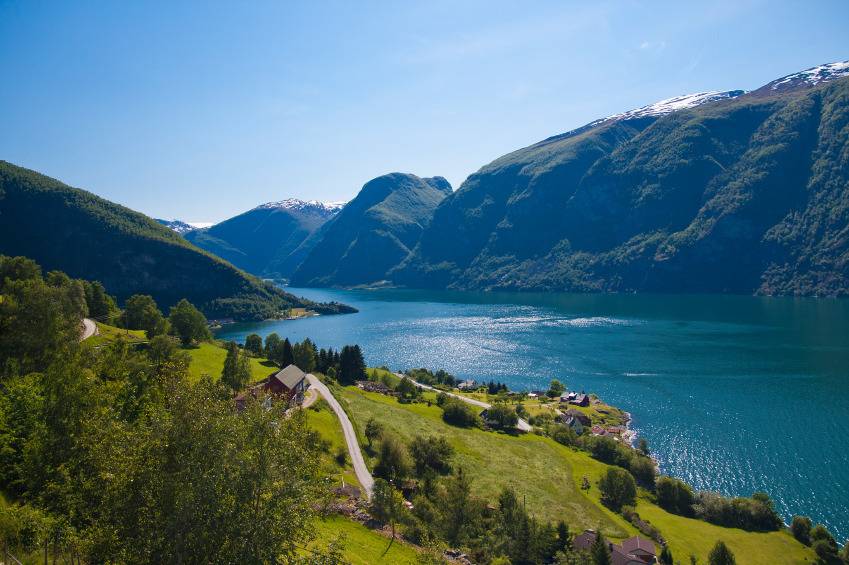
(322, 419)
(107, 333)
(533, 465)
(208, 358)
(548, 475)
(362, 546)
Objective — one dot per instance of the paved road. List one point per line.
(360, 469)
(89, 329)
(522, 425)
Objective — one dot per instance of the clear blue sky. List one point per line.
(199, 111)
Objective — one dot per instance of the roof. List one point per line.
(584, 540)
(635, 543)
(290, 376)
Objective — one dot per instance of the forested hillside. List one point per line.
(373, 233)
(747, 194)
(86, 236)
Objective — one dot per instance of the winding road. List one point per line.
(360, 469)
(89, 329)
(522, 425)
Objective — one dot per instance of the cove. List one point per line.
(735, 394)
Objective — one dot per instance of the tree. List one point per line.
(458, 413)
(407, 390)
(618, 488)
(305, 355)
(564, 538)
(674, 495)
(387, 505)
(459, 509)
(643, 469)
(374, 430)
(393, 463)
(271, 342)
(231, 366)
(243, 371)
(161, 349)
(555, 389)
(599, 551)
(101, 306)
(287, 353)
(502, 417)
(800, 527)
(142, 313)
(665, 557)
(643, 446)
(253, 343)
(352, 366)
(188, 323)
(431, 454)
(824, 544)
(721, 555)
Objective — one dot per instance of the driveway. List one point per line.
(89, 329)
(360, 469)
(522, 425)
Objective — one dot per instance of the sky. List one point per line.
(200, 111)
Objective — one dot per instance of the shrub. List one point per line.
(618, 488)
(643, 469)
(393, 464)
(502, 417)
(674, 496)
(753, 514)
(432, 453)
(800, 527)
(458, 413)
(565, 435)
(721, 555)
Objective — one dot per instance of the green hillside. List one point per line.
(744, 195)
(373, 233)
(267, 241)
(89, 237)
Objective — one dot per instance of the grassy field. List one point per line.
(322, 419)
(107, 333)
(362, 546)
(549, 475)
(535, 466)
(208, 358)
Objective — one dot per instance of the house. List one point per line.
(290, 382)
(468, 384)
(598, 431)
(374, 386)
(632, 551)
(580, 416)
(573, 423)
(532, 395)
(581, 400)
(568, 397)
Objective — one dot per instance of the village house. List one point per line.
(573, 423)
(632, 551)
(288, 384)
(374, 386)
(580, 400)
(468, 384)
(580, 416)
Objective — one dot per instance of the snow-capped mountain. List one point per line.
(177, 225)
(812, 76)
(673, 105)
(314, 206)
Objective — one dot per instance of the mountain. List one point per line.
(373, 232)
(88, 237)
(716, 192)
(268, 241)
(176, 225)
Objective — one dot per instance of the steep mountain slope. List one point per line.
(86, 236)
(266, 241)
(373, 233)
(718, 192)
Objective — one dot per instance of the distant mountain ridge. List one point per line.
(177, 226)
(86, 236)
(270, 240)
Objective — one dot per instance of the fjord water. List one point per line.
(734, 394)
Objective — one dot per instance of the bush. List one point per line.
(721, 555)
(608, 450)
(565, 435)
(433, 453)
(643, 469)
(502, 417)
(753, 514)
(393, 464)
(618, 488)
(800, 527)
(458, 413)
(674, 496)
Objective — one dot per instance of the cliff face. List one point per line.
(743, 194)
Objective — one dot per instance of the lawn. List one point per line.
(362, 546)
(107, 333)
(208, 358)
(322, 419)
(549, 476)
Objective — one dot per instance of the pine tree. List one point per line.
(243, 371)
(287, 356)
(600, 552)
(229, 375)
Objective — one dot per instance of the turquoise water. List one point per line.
(734, 394)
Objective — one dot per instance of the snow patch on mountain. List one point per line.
(672, 105)
(178, 226)
(812, 76)
(324, 208)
